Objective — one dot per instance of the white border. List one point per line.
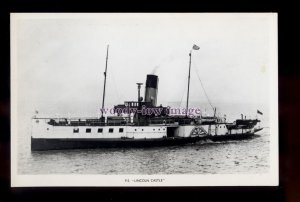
(270, 179)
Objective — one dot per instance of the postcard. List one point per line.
(144, 99)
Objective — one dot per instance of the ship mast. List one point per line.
(105, 74)
(195, 47)
(188, 90)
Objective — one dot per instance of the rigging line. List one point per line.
(203, 87)
(182, 95)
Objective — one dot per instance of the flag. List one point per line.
(259, 112)
(195, 47)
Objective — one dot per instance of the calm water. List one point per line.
(247, 156)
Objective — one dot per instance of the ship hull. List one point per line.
(233, 137)
(40, 144)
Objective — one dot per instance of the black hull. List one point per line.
(39, 144)
(233, 137)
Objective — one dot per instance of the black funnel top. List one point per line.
(151, 81)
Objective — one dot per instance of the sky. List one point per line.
(60, 58)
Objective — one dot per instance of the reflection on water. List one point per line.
(246, 156)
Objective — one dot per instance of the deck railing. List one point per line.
(112, 122)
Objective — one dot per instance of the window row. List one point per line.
(221, 126)
(153, 129)
(110, 130)
(100, 130)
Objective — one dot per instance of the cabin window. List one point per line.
(76, 130)
(121, 130)
(142, 129)
(100, 130)
(88, 130)
(134, 129)
(111, 130)
(153, 129)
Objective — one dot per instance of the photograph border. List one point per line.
(270, 179)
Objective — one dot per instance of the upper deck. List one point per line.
(117, 121)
